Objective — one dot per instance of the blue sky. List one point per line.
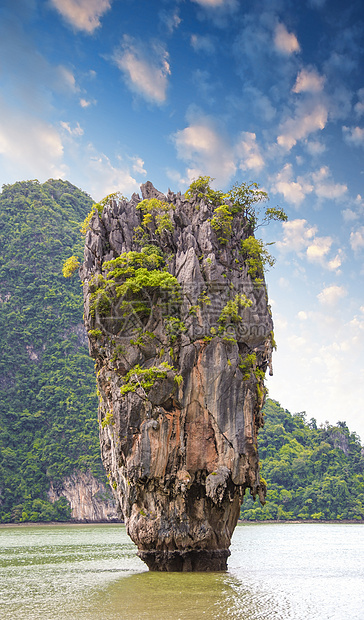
(111, 93)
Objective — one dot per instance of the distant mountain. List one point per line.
(311, 473)
(49, 448)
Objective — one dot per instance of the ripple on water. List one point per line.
(278, 572)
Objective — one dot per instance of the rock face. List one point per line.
(89, 499)
(181, 335)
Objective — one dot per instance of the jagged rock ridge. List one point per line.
(181, 335)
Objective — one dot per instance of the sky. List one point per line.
(110, 93)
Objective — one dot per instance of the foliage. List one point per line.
(70, 266)
(245, 199)
(135, 281)
(256, 257)
(230, 312)
(48, 404)
(247, 364)
(144, 377)
(156, 216)
(98, 207)
(222, 223)
(311, 473)
(200, 189)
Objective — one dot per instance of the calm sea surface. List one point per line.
(91, 572)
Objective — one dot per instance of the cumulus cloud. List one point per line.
(293, 191)
(138, 165)
(204, 147)
(315, 147)
(308, 80)
(145, 68)
(357, 239)
(297, 235)
(85, 103)
(355, 210)
(249, 153)
(82, 14)
(309, 117)
(300, 237)
(354, 135)
(331, 295)
(284, 41)
(319, 183)
(318, 249)
(325, 187)
(205, 150)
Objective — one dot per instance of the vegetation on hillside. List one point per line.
(311, 473)
(48, 403)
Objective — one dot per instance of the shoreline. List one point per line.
(240, 522)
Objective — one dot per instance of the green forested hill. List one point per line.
(311, 473)
(48, 401)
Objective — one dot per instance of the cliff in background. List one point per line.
(89, 498)
(181, 333)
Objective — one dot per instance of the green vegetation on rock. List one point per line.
(310, 472)
(48, 403)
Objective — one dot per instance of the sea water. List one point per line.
(91, 572)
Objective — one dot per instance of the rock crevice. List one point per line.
(181, 335)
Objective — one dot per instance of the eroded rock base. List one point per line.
(186, 561)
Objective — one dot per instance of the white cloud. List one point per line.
(146, 69)
(324, 187)
(349, 215)
(170, 20)
(308, 119)
(207, 153)
(76, 131)
(104, 178)
(138, 165)
(336, 262)
(308, 80)
(357, 239)
(315, 147)
(297, 235)
(318, 250)
(82, 14)
(249, 153)
(320, 183)
(293, 191)
(202, 43)
(331, 295)
(29, 148)
(354, 135)
(284, 41)
(67, 78)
